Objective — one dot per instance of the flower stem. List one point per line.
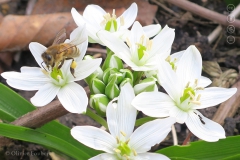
(137, 75)
(97, 118)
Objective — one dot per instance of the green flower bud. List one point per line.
(107, 73)
(125, 80)
(97, 86)
(146, 85)
(118, 76)
(112, 61)
(112, 89)
(99, 102)
(127, 74)
(98, 73)
(152, 73)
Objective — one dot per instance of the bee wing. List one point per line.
(78, 36)
(60, 37)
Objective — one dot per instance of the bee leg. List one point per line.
(72, 71)
(61, 64)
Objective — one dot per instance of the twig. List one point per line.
(174, 134)
(235, 13)
(186, 141)
(166, 8)
(229, 107)
(98, 50)
(203, 12)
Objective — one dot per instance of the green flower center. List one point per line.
(188, 92)
(110, 24)
(141, 50)
(56, 74)
(124, 149)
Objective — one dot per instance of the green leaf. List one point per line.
(13, 106)
(228, 148)
(34, 136)
(141, 121)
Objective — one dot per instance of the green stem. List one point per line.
(97, 118)
(137, 75)
(141, 121)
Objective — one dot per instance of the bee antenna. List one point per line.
(43, 66)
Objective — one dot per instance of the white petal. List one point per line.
(204, 82)
(83, 49)
(151, 156)
(85, 68)
(129, 16)
(31, 78)
(73, 98)
(135, 35)
(45, 95)
(149, 134)
(93, 14)
(78, 18)
(214, 95)
(153, 104)
(152, 30)
(116, 45)
(123, 116)
(168, 80)
(37, 50)
(189, 66)
(206, 130)
(95, 138)
(180, 115)
(175, 57)
(163, 41)
(104, 156)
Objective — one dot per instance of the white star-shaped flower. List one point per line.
(186, 93)
(140, 53)
(97, 19)
(72, 96)
(122, 143)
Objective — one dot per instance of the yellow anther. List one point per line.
(127, 141)
(149, 44)
(44, 72)
(142, 39)
(187, 85)
(117, 150)
(113, 14)
(198, 97)
(195, 102)
(168, 59)
(127, 158)
(191, 95)
(134, 152)
(199, 88)
(196, 82)
(123, 133)
(128, 42)
(121, 20)
(107, 16)
(118, 141)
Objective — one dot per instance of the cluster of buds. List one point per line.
(105, 83)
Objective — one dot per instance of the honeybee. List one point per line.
(58, 52)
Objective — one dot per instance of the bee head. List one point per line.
(48, 59)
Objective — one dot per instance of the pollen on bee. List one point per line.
(74, 65)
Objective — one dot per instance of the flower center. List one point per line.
(123, 150)
(190, 97)
(144, 45)
(56, 74)
(109, 22)
(172, 63)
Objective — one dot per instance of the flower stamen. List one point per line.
(122, 21)
(123, 133)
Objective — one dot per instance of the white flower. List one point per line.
(59, 82)
(97, 19)
(185, 87)
(140, 53)
(123, 143)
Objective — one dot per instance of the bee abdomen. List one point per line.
(70, 50)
